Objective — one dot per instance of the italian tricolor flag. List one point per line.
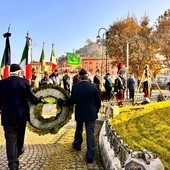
(25, 62)
(6, 59)
(53, 59)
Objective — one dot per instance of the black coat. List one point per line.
(108, 84)
(120, 84)
(14, 92)
(96, 81)
(86, 98)
(66, 82)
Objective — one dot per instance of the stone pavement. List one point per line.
(53, 152)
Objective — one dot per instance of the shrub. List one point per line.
(146, 127)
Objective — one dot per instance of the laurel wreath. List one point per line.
(50, 95)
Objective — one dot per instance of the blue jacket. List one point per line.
(131, 83)
(14, 92)
(86, 98)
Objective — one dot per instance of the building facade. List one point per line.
(91, 64)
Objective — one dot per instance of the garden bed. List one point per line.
(147, 128)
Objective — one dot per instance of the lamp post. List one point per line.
(127, 57)
(127, 65)
(105, 37)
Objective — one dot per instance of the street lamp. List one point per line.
(127, 58)
(127, 65)
(105, 37)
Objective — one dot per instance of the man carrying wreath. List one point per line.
(14, 92)
(86, 98)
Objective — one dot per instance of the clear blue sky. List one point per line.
(66, 23)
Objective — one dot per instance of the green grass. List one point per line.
(146, 127)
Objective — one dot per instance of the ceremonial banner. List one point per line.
(73, 59)
(53, 59)
(6, 59)
(25, 62)
(42, 59)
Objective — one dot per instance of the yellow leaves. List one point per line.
(147, 127)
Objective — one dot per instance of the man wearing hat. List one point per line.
(119, 87)
(33, 78)
(14, 94)
(87, 102)
(45, 80)
(66, 81)
(54, 77)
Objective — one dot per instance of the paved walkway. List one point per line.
(53, 152)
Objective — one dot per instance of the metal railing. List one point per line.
(117, 144)
(119, 147)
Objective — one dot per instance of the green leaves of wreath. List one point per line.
(50, 95)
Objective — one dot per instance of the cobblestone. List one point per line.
(53, 152)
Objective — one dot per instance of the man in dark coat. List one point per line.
(119, 87)
(108, 86)
(33, 78)
(86, 98)
(131, 87)
(14, 92)
(96, 79)
(66, 81)
(45, 80)
(54, 77)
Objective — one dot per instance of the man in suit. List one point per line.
(33, 78)
(108, 86)
(131, 86)
(14, 92)
(66, 81)
(86, 98)
(119, 87)
(45, 80)
(55, 78)
(96, 79)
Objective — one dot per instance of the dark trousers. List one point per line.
(131, 93)
(108, 93)
(78, 139)
(14, 135)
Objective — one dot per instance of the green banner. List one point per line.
(73, 59)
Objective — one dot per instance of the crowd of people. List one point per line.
(113, 87)
(85, 94)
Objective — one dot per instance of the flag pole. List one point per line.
(6, 59)
(9, 27)
(44, 57)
